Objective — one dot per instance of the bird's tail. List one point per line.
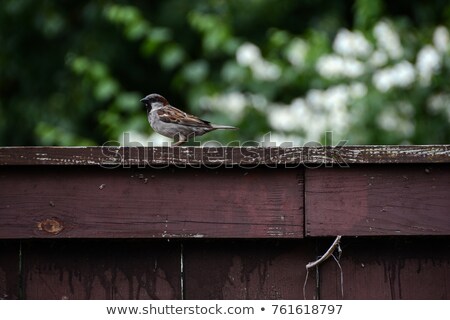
(219, 126)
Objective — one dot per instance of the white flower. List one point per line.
(265, 70)
(247, 54)
(231, 103)
(351, 44)
(402, 75)
(281, 118)
(441, 39)
(378, 59)
(428, 63)
(390, 120)
(382, 80)
(298, 103)
(314, 98)
(329, 66)
(440, 103)
(357, 90)
(333, 97)
(388, 39)
(332, 66)
(352, 68)
(318, 112)
(235, 102)
(336, 97)
(330, 110)
(296, 52)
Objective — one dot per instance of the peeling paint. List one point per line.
(227, 155)
(182, 235)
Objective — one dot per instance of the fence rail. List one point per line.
(94, 223)
(248, 156)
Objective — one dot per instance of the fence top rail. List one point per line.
(217, 156)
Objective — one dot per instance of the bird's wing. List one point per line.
(171, 114)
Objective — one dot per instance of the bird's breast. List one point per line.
(164, 128)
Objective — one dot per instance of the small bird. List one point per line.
(174, 123)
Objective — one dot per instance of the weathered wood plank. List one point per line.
(373, 200)
(227, 156)
(80, 269)
(389, 268)
(261, 269)
(9, 270)
(92, 202)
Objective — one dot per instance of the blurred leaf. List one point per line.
(105, 89)
(155, 38)
(196, 71)
(128, 101)
(172, 56)
(367, 13)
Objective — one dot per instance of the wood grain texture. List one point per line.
(101, 270)
(111, 156)
(373, 268)
(373, 200)
(92, 202)
(389, 268)
(261, 269)
(9, 269)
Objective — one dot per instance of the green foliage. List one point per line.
(371, 71)
(367, 13)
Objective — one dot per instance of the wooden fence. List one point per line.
(224, 223)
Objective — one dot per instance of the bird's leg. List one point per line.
(181, 139)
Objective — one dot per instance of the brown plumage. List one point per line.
(174, 123)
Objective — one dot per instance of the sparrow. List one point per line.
(174, 123)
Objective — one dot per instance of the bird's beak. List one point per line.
(142, 100)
